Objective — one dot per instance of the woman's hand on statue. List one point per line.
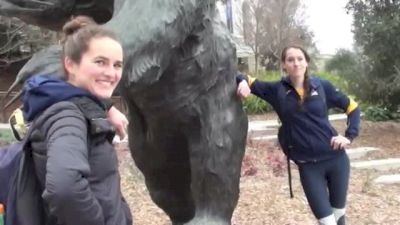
(118, 120)
(339, 142)
(243, 89)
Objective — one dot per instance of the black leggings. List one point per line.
(325, 184)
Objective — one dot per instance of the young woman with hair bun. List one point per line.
(74, 158)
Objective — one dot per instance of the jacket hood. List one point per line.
(42, 91)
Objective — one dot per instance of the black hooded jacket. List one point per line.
(74, 158)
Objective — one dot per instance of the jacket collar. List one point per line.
(312, 81)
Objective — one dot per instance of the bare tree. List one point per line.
(19, 41)
(269, 25)
(252, 20)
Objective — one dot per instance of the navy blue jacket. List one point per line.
(306, 130)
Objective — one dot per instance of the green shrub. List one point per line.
(380, 113)
(254, 105)
(6, 136)
(336, 80)
(268, 75)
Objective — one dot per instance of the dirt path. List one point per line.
(264, 197)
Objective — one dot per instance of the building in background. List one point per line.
(231, 14)
(320, 61)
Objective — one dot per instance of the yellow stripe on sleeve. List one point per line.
(352, 106)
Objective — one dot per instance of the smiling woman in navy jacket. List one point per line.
(306, 136)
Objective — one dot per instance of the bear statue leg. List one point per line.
(171, 192)
(216, 164)
(164, 162)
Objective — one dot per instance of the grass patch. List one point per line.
(6, 136)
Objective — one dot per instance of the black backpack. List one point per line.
(20, 191)
(284, 139)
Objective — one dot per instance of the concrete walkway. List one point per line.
(380, 164)
(388, 179)
(267, 130)
(258, 125)
(4, 126)
(357, 153)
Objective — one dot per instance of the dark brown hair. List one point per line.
(308, 59)
(78, 33)
(306, 55)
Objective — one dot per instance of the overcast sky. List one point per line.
(330, 23)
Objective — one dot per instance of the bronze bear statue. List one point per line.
(187, 127)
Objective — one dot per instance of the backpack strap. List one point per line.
(27, 188)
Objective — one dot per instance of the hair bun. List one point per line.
(77, 23)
